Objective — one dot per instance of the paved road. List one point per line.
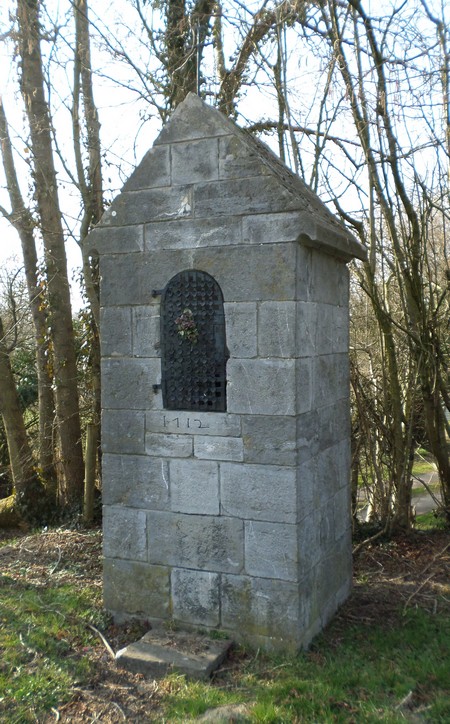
(423, 503)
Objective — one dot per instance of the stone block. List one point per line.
(255, 195)
(195, 541)
(262, 610)
(332, 330)
(241, 327)
(331, 379)
(189, 233)
(168, 446)
(343, 458)
(271, 228)
(341, 510)
(326, 524)
(343, 593)
(195, 597)
(306, 488)
(132, 282)
(197, 423)
(271, 550)
(261, 386)
(258, 492)
(237, 159)
(161, 652)
(303, 273)
(195, 161)
(308, 322)
(333, 575)
(123, 431)
(310, 552)
(115, 324)
(344, 561)
(329, 280)
(145, 331)
(329, 237)
(136, 589)
(269, 439)
(128, 383)
(304, 384)
(124, 533)
(277, 329)
(136, 481)
(172, 202)
(340, 324)
(194, 486)
(191, 121)
(309, 435)
(332, 470)
(124, 286)
(209, 447)
(333, 422)
(125, 240)
(272, 268)
(152, 171)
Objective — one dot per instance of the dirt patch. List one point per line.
(405, 572)
(390, 577)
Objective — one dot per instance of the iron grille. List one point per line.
(193, 347)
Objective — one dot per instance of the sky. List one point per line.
(117, 112)
(127, 129)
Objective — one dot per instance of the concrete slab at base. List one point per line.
(158, 653)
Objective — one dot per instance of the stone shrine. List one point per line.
(225, 390)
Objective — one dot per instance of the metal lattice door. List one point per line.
(193, 346)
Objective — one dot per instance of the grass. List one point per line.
(423, 464)
(361, 676)
(421, 489)
(430, 521)
(421, 467)
(390, 645)
(40, 630)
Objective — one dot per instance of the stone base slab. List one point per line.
(158, 653)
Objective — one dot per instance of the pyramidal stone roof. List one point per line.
(193, 121)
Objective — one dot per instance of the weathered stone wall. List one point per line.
(238, 520)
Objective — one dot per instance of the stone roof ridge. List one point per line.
(290, 180)
(194, 120)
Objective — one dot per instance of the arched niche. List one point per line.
(193, 343)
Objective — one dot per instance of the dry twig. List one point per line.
(104, 640)
(414, 593)
(116, 706)
(57, 562)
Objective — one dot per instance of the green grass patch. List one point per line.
(361, 675)
(423, 466)
(422, 490)
(373, 656)
(40, 628)
(430, 521)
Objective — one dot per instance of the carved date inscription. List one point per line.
(186, 423)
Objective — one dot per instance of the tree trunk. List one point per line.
(185, 37)
(28, 492)
(60, 315)
(439, 445)
(407, 235)
(91, 187)
(264, 21)
(21, 218)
